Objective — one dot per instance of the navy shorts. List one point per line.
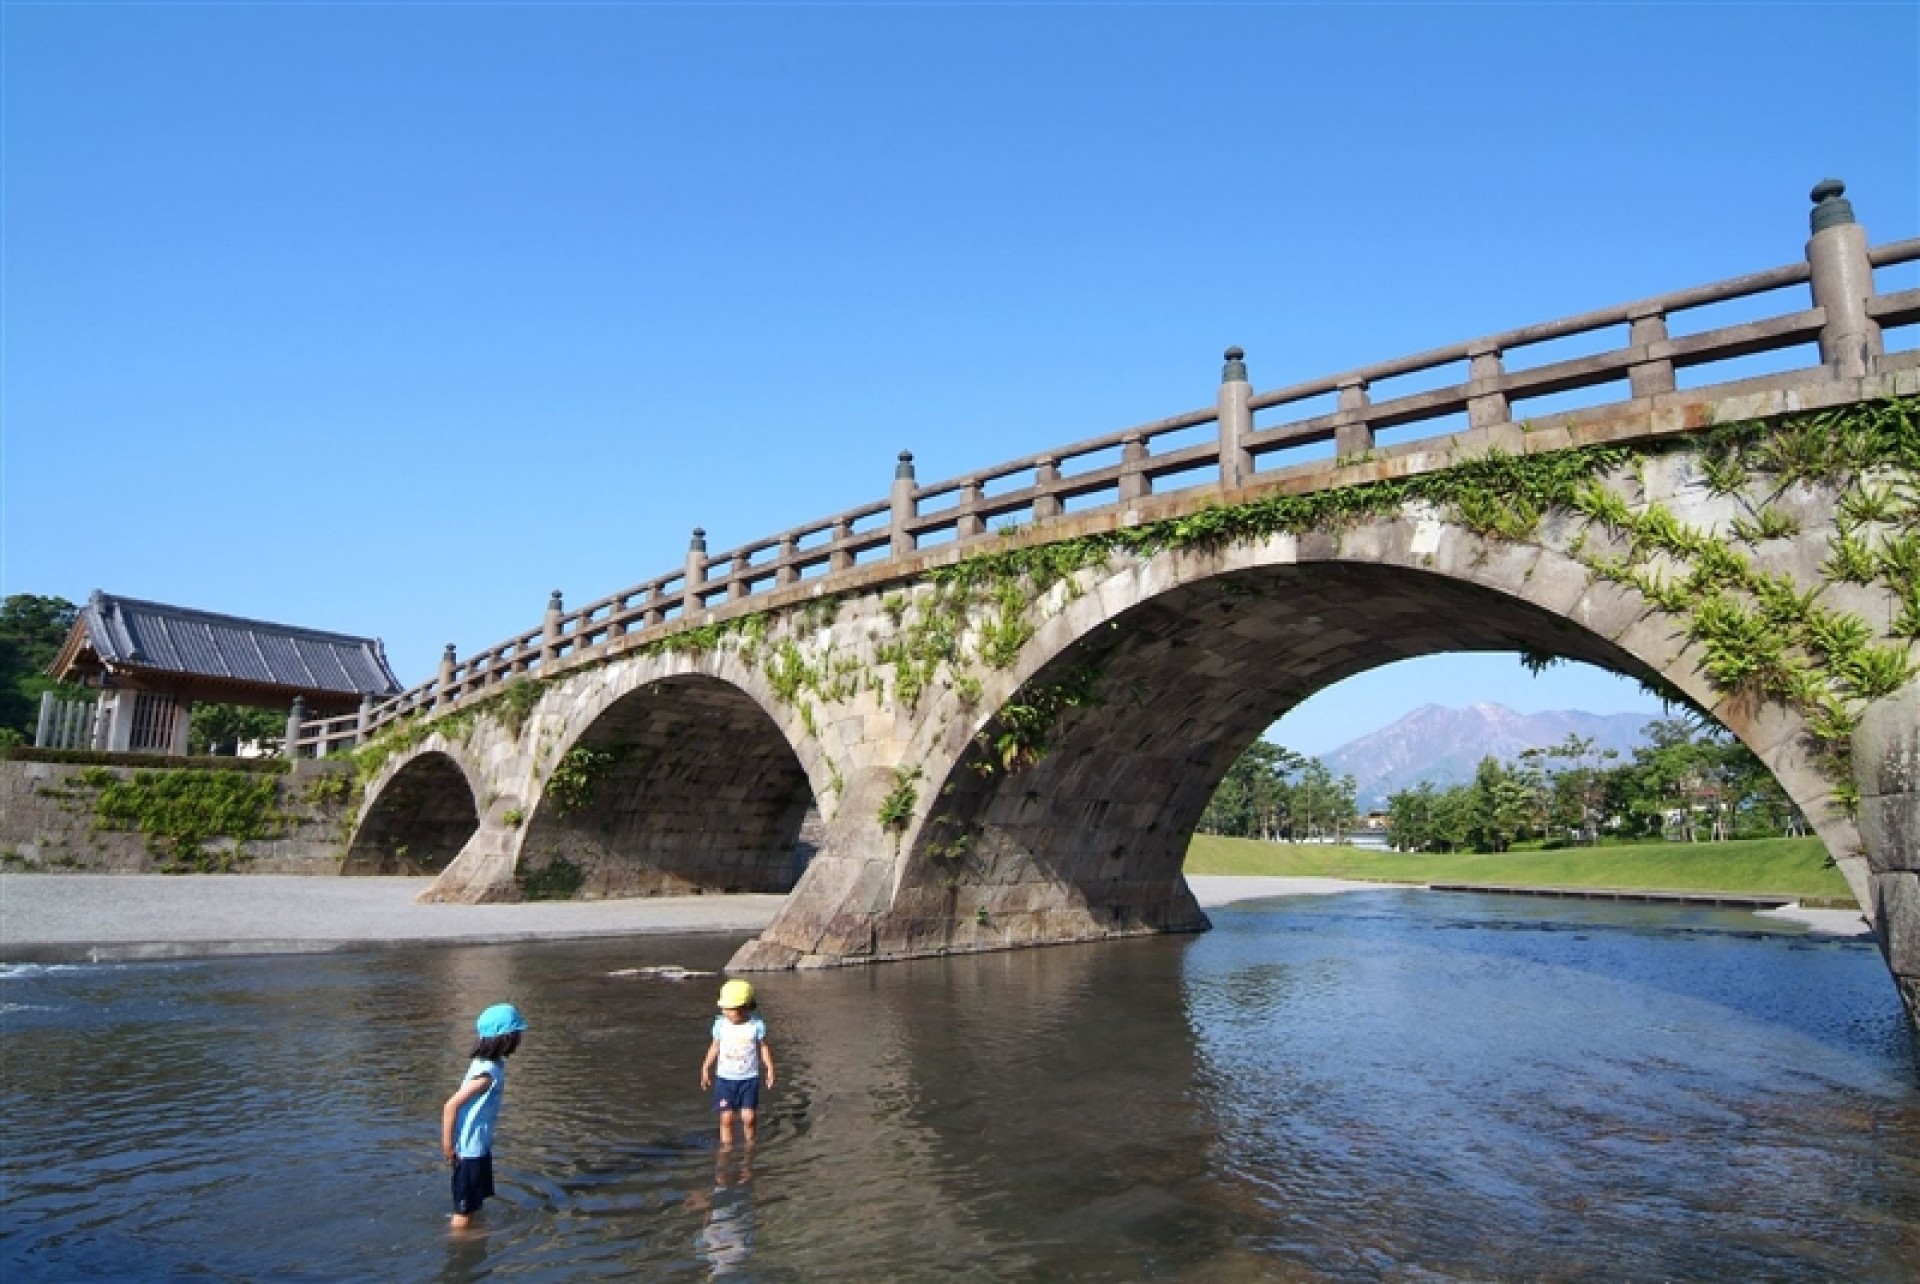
(472, 1184)
(736, 1094)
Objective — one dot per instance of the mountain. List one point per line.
(1444, 745)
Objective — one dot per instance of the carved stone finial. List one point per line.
(448, 653)
(904, 469)
(553, 602)
(699, 542)
(1235, 370)
(1831, 208)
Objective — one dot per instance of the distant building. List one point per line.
(151, 663)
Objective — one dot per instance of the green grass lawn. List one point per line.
(1784, 866)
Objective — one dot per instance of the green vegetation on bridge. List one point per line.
(1796, 867)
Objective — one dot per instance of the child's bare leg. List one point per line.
(726, 1127)
(459, 1221)
(747, 1118)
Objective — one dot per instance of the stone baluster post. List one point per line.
(43, 730)
(443, 687)
(102, 733)
(971, 523)
(1850, 341)
(788, 573)
(1236, 422)
(901, 502)
(1046, 474)
(696, 573)
(1650, 374)
(1353, 439)
(1486, 402)
(656, 613)
(1134, 483)
(550, 630)
(737, 577)
(296, 719)
(363, 724)
(840, 559)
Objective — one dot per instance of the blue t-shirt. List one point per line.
(739, 1047)
(473, 1126)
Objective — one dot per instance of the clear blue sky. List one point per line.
(392, 318)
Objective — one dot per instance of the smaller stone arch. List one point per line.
(680, 786)
(418, 821)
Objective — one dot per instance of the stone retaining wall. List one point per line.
(51, 822)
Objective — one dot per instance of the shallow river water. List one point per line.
(1377, 1085)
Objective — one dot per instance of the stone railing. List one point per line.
(1467, 385)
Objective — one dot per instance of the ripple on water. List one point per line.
(1367, 1086)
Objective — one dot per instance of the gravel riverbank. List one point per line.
(61, 917)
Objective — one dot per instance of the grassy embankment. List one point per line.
(1763, 866)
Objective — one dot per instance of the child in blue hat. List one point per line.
(466, 1121)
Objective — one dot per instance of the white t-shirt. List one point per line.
(739, 1047)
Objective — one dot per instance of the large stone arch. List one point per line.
(418, 818)
(1197, 652)
(674, 785)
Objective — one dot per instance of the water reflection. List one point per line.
(725, 1243)
(1660, 1093)
(1378, 1085)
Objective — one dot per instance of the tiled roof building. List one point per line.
(153, 662)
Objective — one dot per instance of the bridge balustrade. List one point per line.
(1478, 379)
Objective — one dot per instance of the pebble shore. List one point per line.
(117, 917)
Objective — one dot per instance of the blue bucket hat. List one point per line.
(501, 1018)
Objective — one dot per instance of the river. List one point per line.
(1377, 1085)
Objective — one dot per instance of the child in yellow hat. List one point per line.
(737, 1059)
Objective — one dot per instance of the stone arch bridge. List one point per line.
(1007, 737)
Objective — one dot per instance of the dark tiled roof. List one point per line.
(150, 635)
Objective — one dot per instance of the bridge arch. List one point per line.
(1192, 654)
(670, 784)
(418, 817)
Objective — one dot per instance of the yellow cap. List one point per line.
(736, 994)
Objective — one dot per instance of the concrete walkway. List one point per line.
(1213, 890)
(46, 918)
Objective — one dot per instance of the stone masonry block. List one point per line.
(1118, 592)
(1659, 640)
(1675, 481)
(1557, 583)
(1896, 899)
(1886, 746)
(1496, 564)
(1547, 439)
(1372, 542)
(1608, 609)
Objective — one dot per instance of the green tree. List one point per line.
(1254, 799)
(1501, 807)
(1411, 817)
(1710, 784)
(1669, 776)
(32, 627)
(1323, 806)
(1692, 781)
(1574, 774)
(223, 728)
(1425, 819)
